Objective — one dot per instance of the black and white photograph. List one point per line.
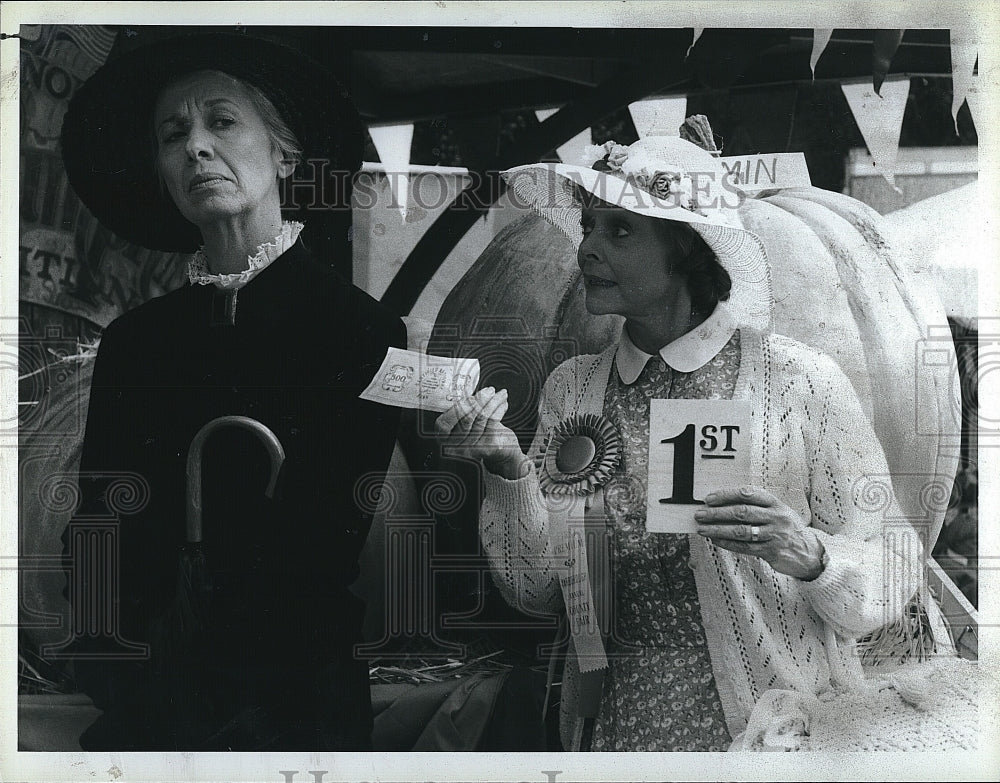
(443, 391)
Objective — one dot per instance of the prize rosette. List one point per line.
(581, 454)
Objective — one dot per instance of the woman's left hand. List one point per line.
(752, 521)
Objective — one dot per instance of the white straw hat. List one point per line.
(663, 177)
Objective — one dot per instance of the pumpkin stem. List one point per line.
(697, 130)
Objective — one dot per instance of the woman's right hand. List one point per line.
(473, 428)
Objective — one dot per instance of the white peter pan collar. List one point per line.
(198, 272)
(685, 354)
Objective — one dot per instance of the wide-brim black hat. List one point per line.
(107, 131)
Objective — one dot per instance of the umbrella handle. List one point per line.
(269, 439)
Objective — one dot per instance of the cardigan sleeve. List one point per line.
(873, 557)
(514, 523)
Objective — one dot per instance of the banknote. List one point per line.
(410, 379)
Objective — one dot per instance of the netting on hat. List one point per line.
(742, 254)
(555, 196)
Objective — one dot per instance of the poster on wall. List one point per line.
(67, 261)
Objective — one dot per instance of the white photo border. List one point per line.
(24, 766)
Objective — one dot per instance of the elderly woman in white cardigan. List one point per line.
(785, 572)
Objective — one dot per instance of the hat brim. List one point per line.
(107, 141)
(551, 190)
(557, 181)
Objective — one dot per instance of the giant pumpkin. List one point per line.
(839, 286)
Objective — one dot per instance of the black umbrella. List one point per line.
(193, 583)
(174, 637)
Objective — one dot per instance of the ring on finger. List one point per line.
(754, 534)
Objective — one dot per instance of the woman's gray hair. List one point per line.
(282, 137)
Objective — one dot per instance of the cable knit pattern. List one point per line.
(812, 446)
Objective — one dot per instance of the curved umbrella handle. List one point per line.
(269, 439)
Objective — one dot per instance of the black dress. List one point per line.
(275, 668)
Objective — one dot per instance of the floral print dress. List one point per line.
(659, 690)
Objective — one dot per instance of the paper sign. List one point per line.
(764, 172)
(409, 379)
(695, 447)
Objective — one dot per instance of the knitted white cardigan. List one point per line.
(813, 447)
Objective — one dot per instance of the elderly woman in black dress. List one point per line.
(184, 145)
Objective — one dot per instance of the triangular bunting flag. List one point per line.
(973, 98)
(658, 116)
(572, 150)
(880, 117)
(393, 145)
(964, 49)
(697, 34)
(821, 37)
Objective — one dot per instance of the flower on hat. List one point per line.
(643, 169)
(671, 185)
(663, 184)
(611, 154)
(617, 155)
